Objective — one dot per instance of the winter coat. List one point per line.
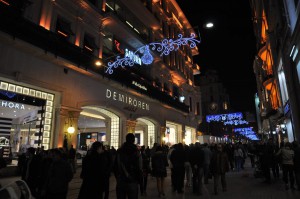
(287, 156)
(59, 175)
(219, 163)
(159, 163)
(128, 164)
(95, 171)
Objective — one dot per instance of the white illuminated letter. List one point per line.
(108, 93)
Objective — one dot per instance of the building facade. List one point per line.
(60, 79)
(276, 26)
(215, 101)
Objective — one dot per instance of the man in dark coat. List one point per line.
(296, 149)
(59, 175)
(128, 169)
(219, 166)
(177, 159)
(72, 158)
(95, 172)
(197, 164)
(267, 159)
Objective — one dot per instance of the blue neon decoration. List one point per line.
(224, 117)
(235, 122)
(247, 132)
(147, 58)
(8, 94)
(246, 129)
(164, 47)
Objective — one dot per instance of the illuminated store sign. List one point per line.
(164, 48)
(12, 105)
(139, 85)
(126, 99)
(136, 58)
(286, 108)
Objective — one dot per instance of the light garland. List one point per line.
(235, 122)
(247, 132)
(224, 117)
(164, 47)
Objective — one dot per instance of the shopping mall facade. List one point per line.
(49, 82)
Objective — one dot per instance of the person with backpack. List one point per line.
(128, 169)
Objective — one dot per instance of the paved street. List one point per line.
(240, 185)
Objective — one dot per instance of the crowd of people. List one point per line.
(48, 173)
(273, 158)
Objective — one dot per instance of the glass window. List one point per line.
(63, 27)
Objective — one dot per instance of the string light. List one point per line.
(164, 47)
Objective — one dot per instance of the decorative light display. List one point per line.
(235, 122)
(8, 94)
(247, 132)
(224, 117)
(164, 47)
(246, 129)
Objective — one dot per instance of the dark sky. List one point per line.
(228, 48)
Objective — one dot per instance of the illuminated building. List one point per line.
(56, 52)
(277, 68)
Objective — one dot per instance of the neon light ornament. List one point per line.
(164, 47)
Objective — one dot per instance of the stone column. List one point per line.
(46, 14)
(130, 126)
(162, 135)
(69, 117)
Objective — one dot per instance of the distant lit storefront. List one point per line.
(26, 118)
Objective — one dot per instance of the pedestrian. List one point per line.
(219, 166)
(128, 169)
(187, 166)
(59, 175)
(146, 171)
(267, 159)
(296, 149)
(251, 154)
(197, 164)
(31, 170)
(287, 157)
(113, 153)
(170, 164)
(72, 158)
(95, 168)
(177, 159)
(159, 169)
(108, 157)
(238, 157)
(206, 162)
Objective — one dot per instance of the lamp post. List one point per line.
(70, 130)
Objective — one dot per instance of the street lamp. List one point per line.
(71, 129)
(209, 25)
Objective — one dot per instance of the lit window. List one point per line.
(63, 28)
(89, 43)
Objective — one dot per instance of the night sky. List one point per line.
(229, 47)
